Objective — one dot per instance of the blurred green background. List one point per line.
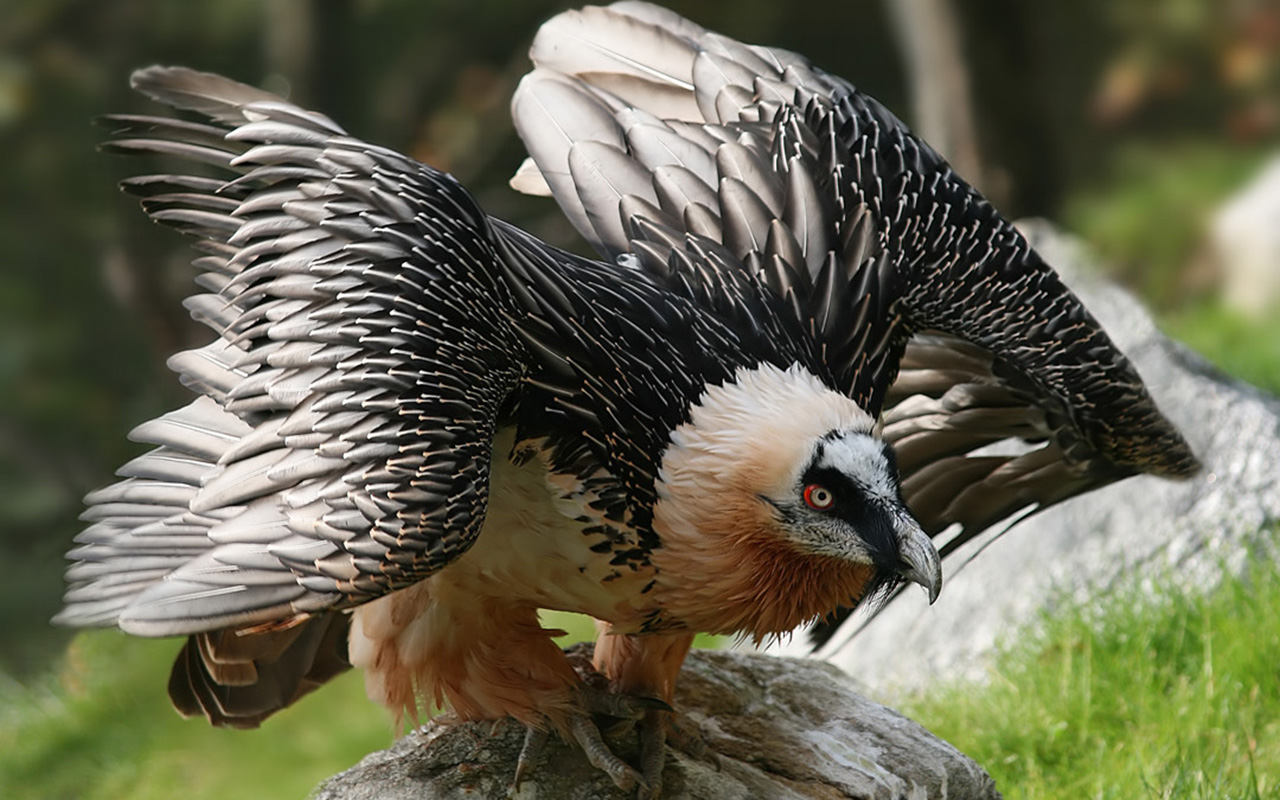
(1126, 121)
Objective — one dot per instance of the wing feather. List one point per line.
(296, 482)
(825, 200)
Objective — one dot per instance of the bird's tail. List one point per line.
(239, 678)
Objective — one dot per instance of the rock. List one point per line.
(1246, 244)
(1142, 530)
(781, 728)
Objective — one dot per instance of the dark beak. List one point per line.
(919, 558)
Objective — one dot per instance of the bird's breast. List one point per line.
(545, 543)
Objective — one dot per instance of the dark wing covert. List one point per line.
(741, 169)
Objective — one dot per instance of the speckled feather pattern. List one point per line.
(336, 267)
(376, 332)
(737, 169)
(731, 169)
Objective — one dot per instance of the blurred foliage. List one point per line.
(1149, 219)
(101, 728)
(1244, 347)
(1190, 65)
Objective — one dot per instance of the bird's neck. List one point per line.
(724, 564)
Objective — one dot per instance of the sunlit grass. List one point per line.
(1172, 696)
(1147, 223)
(1148, 220)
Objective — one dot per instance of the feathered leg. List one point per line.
(645, 666)
(486, 658)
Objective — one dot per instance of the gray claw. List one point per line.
(535, 741)
(601, 757)
(622, 706)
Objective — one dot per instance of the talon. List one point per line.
(623, 706)
(535, 741)
(601, 757)
(649, 703)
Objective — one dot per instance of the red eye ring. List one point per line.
(818, 497)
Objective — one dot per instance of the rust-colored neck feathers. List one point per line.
(745, 445)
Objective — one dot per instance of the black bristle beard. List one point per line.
(882, 588)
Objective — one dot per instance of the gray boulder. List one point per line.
(1143, 530)
(779, 728)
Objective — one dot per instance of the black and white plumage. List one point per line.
(417, 425)
(826, 198)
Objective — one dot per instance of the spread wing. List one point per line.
(689, 154)
(975, 443)
(373, 327)
(339, 448)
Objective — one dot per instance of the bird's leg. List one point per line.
(489, 658)
(484, 658)
(641, 668)
(653, 752)
(535, 741)
(587, 735)
(583, 732)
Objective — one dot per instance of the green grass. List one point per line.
(102, 728)
(1173, 696)
(1246, 348)
(1148, 224)
(1165, 696)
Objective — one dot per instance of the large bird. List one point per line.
(417, 425)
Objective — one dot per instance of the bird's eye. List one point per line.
(819, 498)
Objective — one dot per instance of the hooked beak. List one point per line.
(920, 561)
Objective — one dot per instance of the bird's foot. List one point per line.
(653, 753)
(613, 713)
(587, 736)
(535, 741)
(657, 729)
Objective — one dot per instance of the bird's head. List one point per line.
(847, 504)
(777, 503)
